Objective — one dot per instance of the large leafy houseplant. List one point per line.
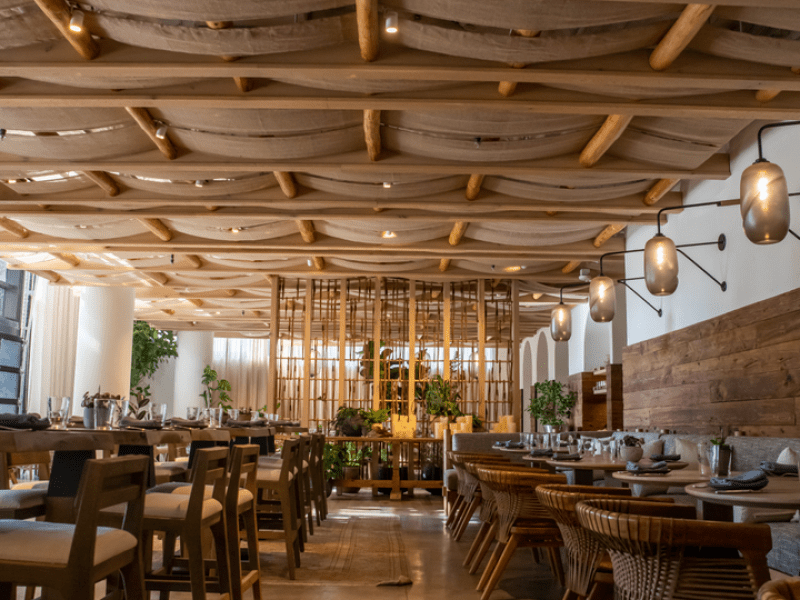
(221, 387)
(441, 399)
(150, 348)
(552, 406)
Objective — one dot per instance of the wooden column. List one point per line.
(342, 339)
(482, 349)
(448, 331)
(274, 331)
(376, 349)
(305, 401)
(412, 343)
(516, 408)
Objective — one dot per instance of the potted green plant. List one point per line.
(720, 457)
(631, 448)
(344, 462)
(348, 422)
(214, 385)
(552, 406)
(441, 399)
(150, 348)
(373, 417)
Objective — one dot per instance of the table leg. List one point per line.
(65, 478)
(396, 493)
(4, 470)
(140, 450)
(583, 476)
(710, 511)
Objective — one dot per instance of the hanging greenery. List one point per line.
(151, 347)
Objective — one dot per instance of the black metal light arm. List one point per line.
(570, 285)
(770, 126)
(683, 207)
(642, 298)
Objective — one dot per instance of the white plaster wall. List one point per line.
(752, 272)
(195, 351)
(162, 386)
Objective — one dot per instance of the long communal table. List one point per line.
(402, 452)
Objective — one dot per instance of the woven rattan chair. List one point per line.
(468, 497)
(486, 533)
(588, 569)
(521, 521)
(783, 589)
(659, 554)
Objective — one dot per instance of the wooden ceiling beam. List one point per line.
(148, 125)
(66, 257)
(609, 132)
(158, 228)
(60, 13)
(318, 263)
(716, 167)
(769, 95)
(372, 133)
(474, 186)
(457, 233)
(607, 234)
(680, 34)
(659, 190)
(306, 229)
(507, 88)
(194, 260)
(286, 183)
(50, 276)
(14, 228)
(444, 264)
(571, 266)
(103, 180)
(367, 22)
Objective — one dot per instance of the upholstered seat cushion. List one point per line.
(270, 475)
(178, 487)
(18, 499)
(451, 479)
(172, 466)
(785, 553)
(31, 485)
(49, 543)
(269, 462)
(170, 506)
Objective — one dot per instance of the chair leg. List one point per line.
(249, 520)
(7, 590)
(570, 595)
(221, 550)
(601, 591)
(133, 576)
(234, 554)
(500, 568)
(476, 543)
(454, 511)
(554, 554)
(290, 532)
(487, 572)
(197, 576)
(464, 521)
(484, 549)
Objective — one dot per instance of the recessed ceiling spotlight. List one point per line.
(387, 184)
(12, 181)
(309, 263)
(235, 230)
(513, 269)
(392, 21)
(83, 227)
(161, 132)
(2, 134)
(388, 234)
(76, 21)
(199, 183)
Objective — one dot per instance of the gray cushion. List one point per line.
(480, 442)
(748, 452)
(785, 553)
(451, 480)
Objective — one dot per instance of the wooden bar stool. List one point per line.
(70, 559)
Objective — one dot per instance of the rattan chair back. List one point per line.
(659, 552)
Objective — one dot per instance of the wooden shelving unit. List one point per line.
(599, 404)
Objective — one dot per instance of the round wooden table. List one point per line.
(583, 468)
(673, 478)
(781, 492)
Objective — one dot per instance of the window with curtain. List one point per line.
(245, 363)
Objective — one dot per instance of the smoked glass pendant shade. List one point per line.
(661, 265)
(765, 203)
(602, 299)
(561, 323)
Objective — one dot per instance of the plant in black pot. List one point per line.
(344, 462)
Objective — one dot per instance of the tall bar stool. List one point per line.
(277, 504)
(658, 552)
(72, 558)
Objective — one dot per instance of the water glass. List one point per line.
(192, 412)
(158, 412)
(59, 411)
(205, 415)
(116, 412)
(233, 414)
(126, 410)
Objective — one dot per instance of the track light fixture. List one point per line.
(76, 21)
(765, 197)
(392, 22)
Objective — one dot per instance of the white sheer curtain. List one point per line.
(54, 336)
(245, 363)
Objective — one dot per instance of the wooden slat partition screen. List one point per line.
(741, 369)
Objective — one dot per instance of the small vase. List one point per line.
(632, 453)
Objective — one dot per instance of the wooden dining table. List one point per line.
(781, 492)
(585, 467)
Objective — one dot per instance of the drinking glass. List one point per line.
(126, 409)
(116, 412)
(65, 408)
(205, 415)
(192, 412)
(158, 412)
(233, 414)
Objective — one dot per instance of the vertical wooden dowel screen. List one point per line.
(274, 334)
(305, 401)
(482, 349)
(447, 331)
(343, 292)
(376, 349)
(516, 405)
(412, 345)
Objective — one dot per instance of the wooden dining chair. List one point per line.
(658, 553)
(521, 522)
(70, 559)
(588, 569)
(467, 496)
(318, 479)
(38, 460)
(277, 504)
(304, 484)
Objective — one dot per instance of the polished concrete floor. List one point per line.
(413, 528)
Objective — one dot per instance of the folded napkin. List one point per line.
(776, 468)
(232, 423)
(24, 421)
(665, 457)
(656, 467)
(139, 423)
(190, 423)
(575, 456)
(286, 423)
(752, 480)
(541, 452)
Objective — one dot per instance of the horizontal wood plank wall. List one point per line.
(741, 369)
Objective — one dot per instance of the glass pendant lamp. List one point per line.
(765, 203)
(602, 299)
(561, 323)
(660, 265)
